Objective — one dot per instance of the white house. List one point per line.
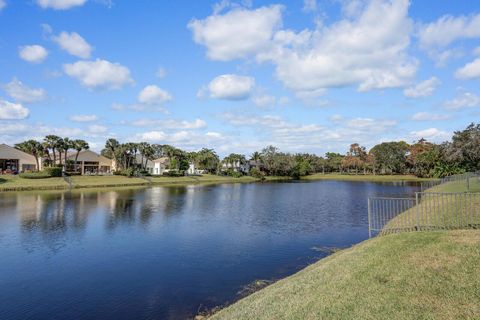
(236, 166)
(13, 160)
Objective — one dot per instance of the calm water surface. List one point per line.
(165, 252)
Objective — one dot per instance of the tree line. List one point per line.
(422, 158)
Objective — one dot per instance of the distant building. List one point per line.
(90, 162)
(236, 166)
(13, 160)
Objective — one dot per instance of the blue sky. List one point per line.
(306, 76)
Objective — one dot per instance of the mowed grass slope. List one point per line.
(410, 275)
(424, 275)
(10, 182)
(443, 211)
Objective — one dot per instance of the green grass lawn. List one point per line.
(362, 177)
(105, 181)
(14, 183)
(410, 275)
(423, 275)
(446, 211)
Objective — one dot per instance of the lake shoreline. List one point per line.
(16, 184)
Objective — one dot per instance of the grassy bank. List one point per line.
(415, 275)
(362, 177)
(15, 183)
(428, 275)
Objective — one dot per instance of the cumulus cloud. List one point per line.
(171, 124)
(426, 116)
(239, 33)
(368, 49)
(74, 44)
(431, 134)
(60, 4)
(12, 111)
(264, 100)
(448, 29)
(309, 5)
(3, 4)
(435, 37)
(463, 100)
(33, 53)
(83, 118)
(231, 87)
(99, 74)
(97, 129)
(22, 93)
(153, 95)
(469, 71)
(423, 89)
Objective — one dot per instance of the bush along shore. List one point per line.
(409, 275)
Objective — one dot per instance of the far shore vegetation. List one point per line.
(410, 275)
(387, 161)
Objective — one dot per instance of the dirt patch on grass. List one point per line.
(466, 237)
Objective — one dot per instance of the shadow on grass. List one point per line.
(2, 180)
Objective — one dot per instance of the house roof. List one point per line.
(7, 152)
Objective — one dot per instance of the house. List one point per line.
(90, 162)
(194, 171)
(159, 165)
(13, 160)
(236, 166)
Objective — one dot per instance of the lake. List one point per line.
(167, 252)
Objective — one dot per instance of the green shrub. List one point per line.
(53, 171)
(34, 175)
(176, 173)
(257, 173)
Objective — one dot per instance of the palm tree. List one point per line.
(32, 147)
(66, 145)
(52, 142)
(256, 156)
(79, 145)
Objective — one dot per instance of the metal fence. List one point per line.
(427, 211)
(461, 179)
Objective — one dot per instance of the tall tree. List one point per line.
(32, 147)
(79, 145)
(52, 142)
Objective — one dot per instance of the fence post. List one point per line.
(369, 219)
(417, 210)
(468, 182)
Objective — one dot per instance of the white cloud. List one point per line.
(156, 136)
(231, 87)
(423, 89)
(3, 4)
(368, 49)
(12, 111)
(264, 100)
(171, 124)
(60, 4)
(74, 44)
(448, 29)
(426, 116)
(431, 134)
(153, 95)
(435, 37)
(309, 5)
(238, 33)
(83, 118)
(463, 100)
(22, 93)
(372, 125)
(99, 74)
(33, 53)
(469, 71)
(97, 129)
